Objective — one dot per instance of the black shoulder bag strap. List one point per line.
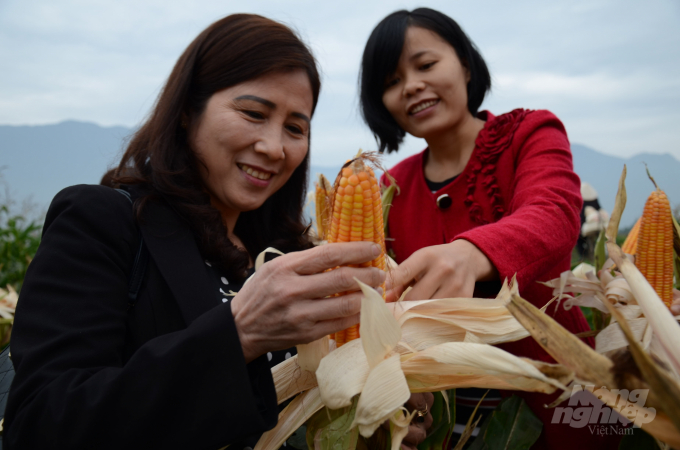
(135, 283)
(139, 266)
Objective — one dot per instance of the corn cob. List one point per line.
(654, 255)
(356, 216)
(323, 189)
(630, 244)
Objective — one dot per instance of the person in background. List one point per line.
(490, 197)
(593, 220)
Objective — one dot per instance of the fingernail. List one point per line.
(379, 290)
(675, 309)
(377, 250)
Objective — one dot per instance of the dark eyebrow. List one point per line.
(418, 55)
(301, 116)
(271, 105)
(265, 102)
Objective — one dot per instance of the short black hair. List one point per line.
(381, 58)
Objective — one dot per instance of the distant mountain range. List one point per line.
(38, 161)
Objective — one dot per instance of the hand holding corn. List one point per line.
(441, 271)
(287, 301)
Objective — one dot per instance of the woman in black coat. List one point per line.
(216, 175)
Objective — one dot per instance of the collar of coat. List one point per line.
(172, 247)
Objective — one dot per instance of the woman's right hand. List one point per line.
(285, 304)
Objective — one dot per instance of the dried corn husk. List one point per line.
(399, 426)
(661, 331)
(290, 379)
(663, 385)
(425, 323)
(380, 329)
(661, 427)
(659, 317)
(383, 395)
(310, 355)
(398, 368)
(612, 338)
(460, 364)
(347, 370)
(663, 324)
(566, 348)
(291, 418)
(593, 291)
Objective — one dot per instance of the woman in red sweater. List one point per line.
(490, 196)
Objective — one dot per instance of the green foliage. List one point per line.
(600, 251)
(588, 313)
(330, 429)
(638, 440)
(19, 240)
(443, 421)
(511, 426)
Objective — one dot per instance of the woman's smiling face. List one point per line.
(251, 137)
(427, 94)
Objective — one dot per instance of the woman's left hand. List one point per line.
(417, 429)
(441, 271)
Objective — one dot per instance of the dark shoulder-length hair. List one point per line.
(381, 58)
(159, 159)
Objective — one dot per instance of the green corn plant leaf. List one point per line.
(298, 440)
(387, 196)
(637, 440)
(600, 252)
(676, 249)
(441, 428)
(330, 429)
(511, 426)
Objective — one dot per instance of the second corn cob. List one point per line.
(323, 188)
(630, 244)
(654, 255)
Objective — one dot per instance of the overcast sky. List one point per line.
(609, 69)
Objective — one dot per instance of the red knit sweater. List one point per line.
(518, 200)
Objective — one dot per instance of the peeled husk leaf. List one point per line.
(425, 323)
(310, 355)
(379, 329)
(661, 427)
(459, 364)
(562, 345)
(593, 291)
(582, 269)
(290, 379)
(612, 338)
(660, 319)
(663, 385)
(345, 372)
(342, 374)
(384, 393)
(291, 418)
(658, 315)
(399, 423)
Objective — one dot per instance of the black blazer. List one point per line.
(92, 373)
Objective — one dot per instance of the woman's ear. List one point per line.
(466, 67)
(184, 120)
